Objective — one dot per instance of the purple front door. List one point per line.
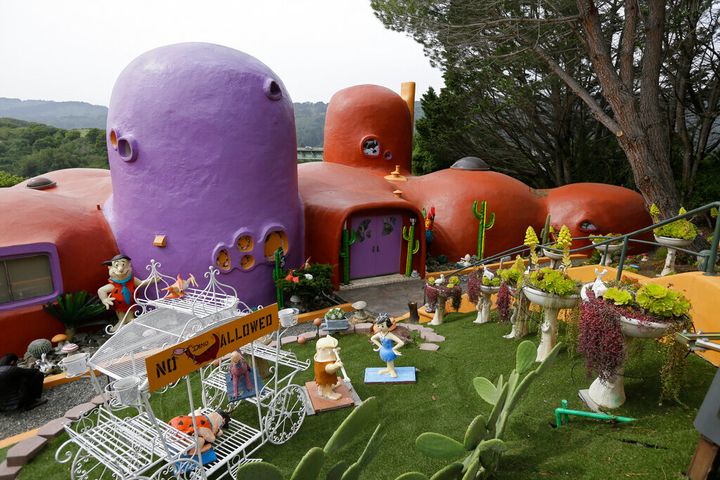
(376, 250)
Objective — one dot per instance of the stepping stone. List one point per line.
(21, 453)
(53, 428)
(80, 410)
(7, 472)
(323, 332)
(290, 339)
(432, 337)
(308, 335)
(416, 327)
(99, 399)
(429, 347)
(363, 327)
(350, 329)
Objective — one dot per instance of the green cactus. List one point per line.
(483, 444)
(348, 238)
(39, 346)
(311, 464)
(411, 250)
(545, 232)
(277, 274)
(484, 225)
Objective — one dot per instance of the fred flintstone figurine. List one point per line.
(120, 290)
(384, 340)
(326, 367)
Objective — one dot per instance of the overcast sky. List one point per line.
(75, 49)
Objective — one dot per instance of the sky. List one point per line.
(75, 49)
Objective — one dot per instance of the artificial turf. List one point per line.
(659, 445)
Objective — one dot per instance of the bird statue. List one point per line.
(177, 289)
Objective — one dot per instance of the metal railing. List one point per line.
(709, 256)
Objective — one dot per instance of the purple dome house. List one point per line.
(202, 151)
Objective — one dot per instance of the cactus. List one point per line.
(483, 443)
(531, 240)
(546, 231)
(277, 275)
(311, 464)
(484, 225)
(411, 250)
(39, 346)
(348, 239)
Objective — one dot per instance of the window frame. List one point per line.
(31, 250)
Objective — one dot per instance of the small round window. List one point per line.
(113, 139)
(245, 243)
(247, 262)
(371, 147)
(273, 241)
(127, 149)
(222, 260)
(388, 155)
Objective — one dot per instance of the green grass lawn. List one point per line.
(658, 446)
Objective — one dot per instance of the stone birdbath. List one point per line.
(671, 244)
(360, 315)
(517, 319)
(611, 393)
(607, 251)
(551, 305)
(483, 304)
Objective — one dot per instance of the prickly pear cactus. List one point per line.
(39, 346)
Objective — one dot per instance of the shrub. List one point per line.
(554, 282)
(308, 284)
(75, 309)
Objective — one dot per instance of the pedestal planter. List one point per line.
(671, 244)
(517, 319)
(611, 393)
(439, 316)
(607, 253)
(553, 256)
(483, 304)
(551, 305)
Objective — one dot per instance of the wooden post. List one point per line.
(704, 460)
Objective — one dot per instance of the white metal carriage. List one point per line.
(123, 439)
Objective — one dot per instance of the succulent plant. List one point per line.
(311, 464)
(39, 346)
(554, 281)
(683, 228)
(531, 240)
(483, 442)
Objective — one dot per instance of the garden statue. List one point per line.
(598, 287)
(119, 291)
(465, 261)
(239, 368)
(384, 339)
(209, 427)
(327, 365)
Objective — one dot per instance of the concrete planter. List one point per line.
(551, 305)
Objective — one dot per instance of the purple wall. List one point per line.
(205, 153)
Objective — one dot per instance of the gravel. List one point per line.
(60, 399)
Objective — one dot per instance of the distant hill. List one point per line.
(309, 116)
(65, 115)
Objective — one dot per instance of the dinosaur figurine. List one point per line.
(177, 289)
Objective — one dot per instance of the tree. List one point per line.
(626, 44)
(8, 179)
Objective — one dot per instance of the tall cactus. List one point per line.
(277, 275)
(311, 464)
(484, 225)
(483, 442)
(411, 250)
(546, 231)
(348, 239)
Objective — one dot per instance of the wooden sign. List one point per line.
(179, 360)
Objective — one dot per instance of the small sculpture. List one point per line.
(384, 339)
(239, 368)
(209, 427)
(119, 291)
(327, 364)
(598, 287)
(466, 261)
(177, 289)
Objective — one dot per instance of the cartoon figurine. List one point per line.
(239, 368)
(384, 340)
(209, 427)
(177, 289)
(118, 293)
(327, 365)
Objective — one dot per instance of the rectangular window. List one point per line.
(25, 278)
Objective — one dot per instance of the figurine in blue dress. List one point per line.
(387, 344)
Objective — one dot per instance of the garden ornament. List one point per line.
(177, 289)
(598, 287)
(384, 339)
(465, 261)
(118, 292)
(239, 368)
(562, 416)
(327, 365)
(209, 427)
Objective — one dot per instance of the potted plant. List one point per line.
(677, 234)
(439, 292)
(607, 249)
(335, 320)
(511, 304)
(627, 311)
(480, 288)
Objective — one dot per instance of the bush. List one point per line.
(75, 309)
(308, 284)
